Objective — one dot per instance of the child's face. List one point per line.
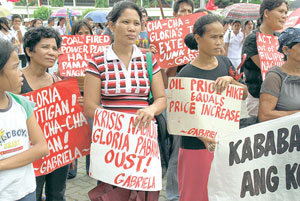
(11, 76)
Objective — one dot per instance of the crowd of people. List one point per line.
(28, 52)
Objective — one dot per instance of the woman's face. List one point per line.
(84, 30)
(11, 76)
(212, 40)
(294, 53)
(45, 53)
(249, 26)
(236, 27)
(127, 28)
(38, 23)
(276, 18)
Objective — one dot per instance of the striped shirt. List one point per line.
(123, 90)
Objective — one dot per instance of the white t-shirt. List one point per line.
(235, 44)
(9, 36)
(14, 139)
(23, 31)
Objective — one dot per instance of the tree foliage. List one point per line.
(30, 3)
(42, 13)
(101, 3)
(57, 3)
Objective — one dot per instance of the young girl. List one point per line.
(18, 127)
(194, 159)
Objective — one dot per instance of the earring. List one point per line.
(287, 54)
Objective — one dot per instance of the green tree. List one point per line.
(99, 3)
(57, 3)
(42, 13)
(30, 3)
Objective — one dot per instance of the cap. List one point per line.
(26, 20)
(288, 36)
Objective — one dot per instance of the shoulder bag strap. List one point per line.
(149, 70)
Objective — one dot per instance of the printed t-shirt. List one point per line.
(192, 71)
(14, 139)
(123, 90)
(143, 40)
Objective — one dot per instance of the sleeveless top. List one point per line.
(26, 88)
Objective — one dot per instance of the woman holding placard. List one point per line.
(41, 49)
(123, 66)
(21, 139)
(273, 14)
(280, 90)
(194, 156)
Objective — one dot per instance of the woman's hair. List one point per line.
(5, 22)
(33, 36)
(5, 51)
(35, 21)
(119, 8)
(269, 5)
(143, 10)
(77, 26)
(60, 19)
(200, 29)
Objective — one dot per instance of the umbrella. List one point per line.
(242, 11)
(63, 13)
(293, 19)
(97, 16)
(4, 12)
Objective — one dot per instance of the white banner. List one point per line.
(196, 109)
(260, 162)
(125, 156)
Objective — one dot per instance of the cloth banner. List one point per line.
(65, 127)
(168, 37)
(259, 163)
(195, 109)
(267, 46)
(77, 50)
(124, 156)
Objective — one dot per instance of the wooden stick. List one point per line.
(161, 9)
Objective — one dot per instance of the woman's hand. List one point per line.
(80, 101)
(144, 118)
(152, 49)
(221, 83)
(210, 143)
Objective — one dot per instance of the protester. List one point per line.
(41, 48)
(51, 22)
(273, 14)
(17, 179)
(19, 31)
(6, 33)
(37, 22)
(27, 23)
(125, 22)
(143, 39)
(248, 27)
(234, 40)
(107, 30)
(181, 8)
(81, 27)
(280, 90)
(194, 158)
(61, 27)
